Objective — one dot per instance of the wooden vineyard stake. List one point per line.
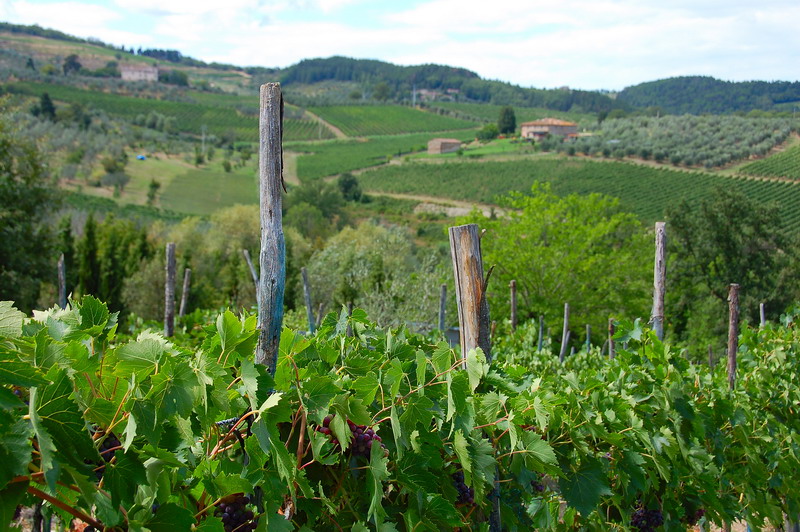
(320, 315)
(710, 356)
(473, 315)
(611, 329)
(442, 306)
(588, 337)
(659, 280)
(541, 334)
(187, 278)
(473, 309)
(733, 332)
(307, 299)
(62, 283)
(272, 258)
(564, 334)
(762, 314)
(513, 287)
(169, 291)
(349, 314)
(252, 268)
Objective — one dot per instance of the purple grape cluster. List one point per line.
(235, 515)
(645, 520)
(694, 517)
(466, 495)
(537, 485)
(363, 438)
(109, 446)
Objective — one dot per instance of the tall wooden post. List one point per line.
(541, 334)
(710, 356)
(762, 314)
(253, 274)
(272, 259)
(513, 287)
(588, 337)
(62, 282)
(611, 329)
(473, 309)
(733, 332)
(169, 291)
(442, 305)
(564, 334)
(307, 299)
(659, 280)
(187, 279)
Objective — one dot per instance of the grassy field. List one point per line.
(644, 190)
(334, 157)
(368, 120)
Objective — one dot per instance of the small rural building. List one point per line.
(439, 146)
(548, 126)
(138, 73)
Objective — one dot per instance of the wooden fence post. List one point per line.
(588, 337)
(541, 333)
(659, 280)
(169, 291)
(442, 305)
(473, 309)
(611, 329)
(473, 316)
(307, 298)
(187, 278)
(513, 287)
(564, 334)
(762, 315)
(62, 283)
(252, 268)
(272, 259)
(733, 332)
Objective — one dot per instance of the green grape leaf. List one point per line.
(366, 387)
(10, 497)
(140, 357)
(16, 372)
(418, 412)
(172, 389)
(123, 477)
(477, 367)
(376, 474)
(317, 392)
(584, 487)
(11, 320)
(94, 315)
(169, 518)
(211, 524)
(457, 393)
(539, 456)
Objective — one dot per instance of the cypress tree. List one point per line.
(88, 263)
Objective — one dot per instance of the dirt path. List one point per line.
(290, 167)
(336, 131)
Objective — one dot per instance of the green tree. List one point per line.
(88, 263)
(507, 121)
(46, 107)
(27, 200)
(152, 191)
(581, 250)
(71, 64)
(381, 92)
(488, 132)
(66, 245)
(349, 187)
(727, 238)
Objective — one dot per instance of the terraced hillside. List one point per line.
(644, 190)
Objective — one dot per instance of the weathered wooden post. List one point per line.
(564, 334)
(710, 356)
(473, 315)
(513, 287)
(659, 280)
(307, 298)
(62, 282)
(541, 334)
(272, 259)
(187, 278)
(611, 329)
(442, 306)
(473, 309)
(733, 332)
(169, 291)
(253, 274)
(762, 314)
(588, 337)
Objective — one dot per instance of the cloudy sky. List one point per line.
(586, 44)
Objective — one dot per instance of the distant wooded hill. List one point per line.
(704, 94)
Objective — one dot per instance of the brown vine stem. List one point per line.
(229, 434)
(301, 440)
(66, 507)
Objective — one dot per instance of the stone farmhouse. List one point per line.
(439, 146)
(138, 73)
(539, 129)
